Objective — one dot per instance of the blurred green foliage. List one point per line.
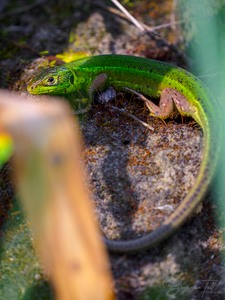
(20, 275)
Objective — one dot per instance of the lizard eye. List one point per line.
(51, 80)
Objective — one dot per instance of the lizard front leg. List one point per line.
(97, 84)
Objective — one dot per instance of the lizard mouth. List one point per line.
(31, 88)
(32, 85)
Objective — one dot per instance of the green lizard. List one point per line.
(175, 87)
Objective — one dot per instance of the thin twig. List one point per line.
(122, 111)
(129, 16)
(141, 26)
(115, 11)
(170, 24)
(148, 30)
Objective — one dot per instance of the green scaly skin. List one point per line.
(148, 77)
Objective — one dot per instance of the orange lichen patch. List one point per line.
(88, 155)
(140, 158)
(152, 8)
(91, 154)
(156, 13)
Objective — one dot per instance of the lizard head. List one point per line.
(54, 81)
